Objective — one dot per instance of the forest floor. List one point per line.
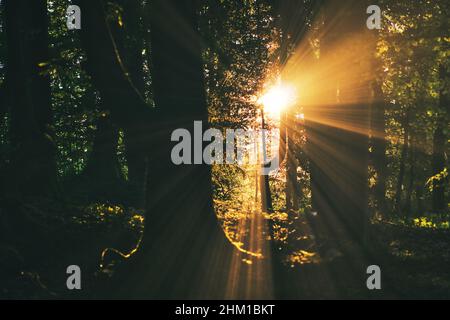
(287, 263)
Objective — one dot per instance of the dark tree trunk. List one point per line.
(283, 137)
(135, 153)
(266, 195)
(379, 146)
(115, 65)
(401, 172)
(109, 74)
(378, 141)
(3, 101)
(439, 141)
(419, 184)
(33, 152)
(438, 195)
(412, 177)
(291, 165)
(185, 252)
(103, 164)
(103, 176)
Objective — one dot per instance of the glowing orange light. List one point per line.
(277, 98)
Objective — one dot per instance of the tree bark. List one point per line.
(184, 247)
(103, 174)
(115, 66)
(401, 172)
(291, 165)
(439, 141)
(412, 177)
(438, 194)
(379, 144)
(266, 194)
(184, 252)
(134, 151)
(33, 165)
(103, 164)
(109, 74)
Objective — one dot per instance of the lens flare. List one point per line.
(277, 98)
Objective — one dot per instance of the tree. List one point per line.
(439, 141)
(412, 50)
(107, 70)
(186, 231)
(133, 58)
(103, 166)
(377, 128)
(180, 98)
(121, 97)
(33, 167)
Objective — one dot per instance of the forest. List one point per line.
(224, 149)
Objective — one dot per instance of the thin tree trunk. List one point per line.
(291, 166)
(412, 177)
(439, 141)
(379, 146)
(401, 172)
(266, 195)
(135, 152)
(438, 194)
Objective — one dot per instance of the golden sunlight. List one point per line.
(277, 98)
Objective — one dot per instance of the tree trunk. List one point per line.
(291, 165)
(266, 195)
(412, 177)
(103, 164)
(379, 146)
(116, 68)
(439, 141)
(103, 174)
(184, 250)
(135, 153)
(401, 172)
(438, 194)
(33, 152)
(109, 74)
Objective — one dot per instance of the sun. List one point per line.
(277, 98)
